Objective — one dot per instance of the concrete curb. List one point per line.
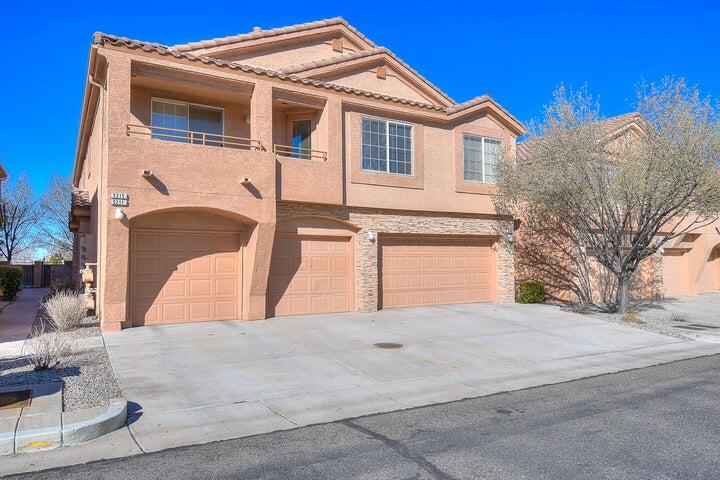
(48, 431)
(84, 425)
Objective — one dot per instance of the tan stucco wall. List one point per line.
(201, 183)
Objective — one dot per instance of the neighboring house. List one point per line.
(688, 265)
(290, 171)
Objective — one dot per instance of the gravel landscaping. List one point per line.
(86, 372)
(653, 316)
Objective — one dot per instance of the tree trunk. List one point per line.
(623, 292)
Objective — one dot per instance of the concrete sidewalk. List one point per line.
(17, 318)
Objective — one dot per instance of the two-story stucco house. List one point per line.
(297, 170)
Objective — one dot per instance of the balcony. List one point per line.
(299, 153)
(194, 138)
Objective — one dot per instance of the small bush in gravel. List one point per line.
(530, 292)
(678, 317)
(10, 282)
(45, 347)
(632, 315)
(580, 308)
(65, 309)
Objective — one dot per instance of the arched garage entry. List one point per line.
(311, 270)
(185, 266)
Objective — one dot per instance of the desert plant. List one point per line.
(45, 346)
(632, 315)
(580, 308)
(10, 282)
(65, 309)
(678, 317)
(62, 286)
(530, 292)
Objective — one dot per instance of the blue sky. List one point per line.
(516, 51)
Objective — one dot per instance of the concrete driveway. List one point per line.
(201, 382)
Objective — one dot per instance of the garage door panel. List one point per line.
(174, 289)
(173, 312)
(149, 242)
(225, 264)
(185, 278)
(173, 242)
(434, 271)
(225, 309)
(200, 311)
(147, 265)
(309, 274)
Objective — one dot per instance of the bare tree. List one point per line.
(20, 219)
(624, 196)
(55, 205)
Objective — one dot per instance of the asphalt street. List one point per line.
(655, 423)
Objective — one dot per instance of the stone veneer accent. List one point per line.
(383, 221)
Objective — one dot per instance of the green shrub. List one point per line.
(10, 282)
(530, 292)
(632, 315)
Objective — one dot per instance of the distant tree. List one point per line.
(57, 258)
(55, 209)
(20, 219)
(626, 197)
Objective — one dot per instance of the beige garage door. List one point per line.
(309, 274)
(184, 276)
(434, 271)
(675, 274)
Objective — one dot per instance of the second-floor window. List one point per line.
(480, 155)
(187, 122)
(386, 146)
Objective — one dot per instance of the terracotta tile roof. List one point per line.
(103, 38)
(607, 125)
(100, 38)
(80, 198)
(612, 124)
(214, 42)
(346, 57)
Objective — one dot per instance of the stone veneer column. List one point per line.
(367, 281)
(505, 270)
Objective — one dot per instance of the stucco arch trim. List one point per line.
(316, 225)
(192, 218)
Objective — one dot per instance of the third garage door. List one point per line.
(309, 274)
(433, 271)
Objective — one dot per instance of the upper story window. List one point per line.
(386, 146)
(480, 156)
(187, 122)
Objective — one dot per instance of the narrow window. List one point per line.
(480, 156)
(301, 143)
(386, 146)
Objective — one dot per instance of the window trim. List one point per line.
(387, 146)
(482, 155)
(187, 104)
